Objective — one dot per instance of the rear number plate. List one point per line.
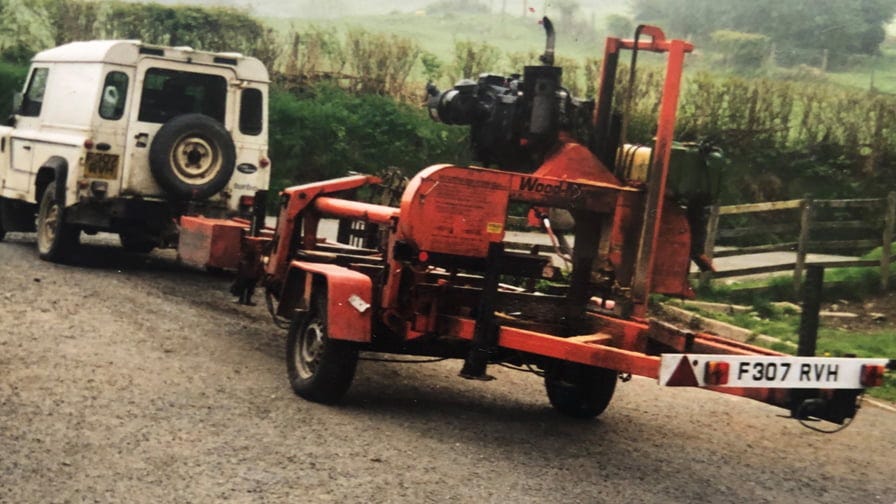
(101, 166)
(764, 371)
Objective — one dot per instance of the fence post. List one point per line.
(712, 230)
(802, 244)
(811, 307)
(889, 220)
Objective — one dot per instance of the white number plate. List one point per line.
(765, 371)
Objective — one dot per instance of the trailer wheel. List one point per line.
(320, 369)
(56, 239)
(578, 390)
(2, 229)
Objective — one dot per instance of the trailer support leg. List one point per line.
(485, 336)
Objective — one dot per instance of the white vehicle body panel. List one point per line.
(70, 116)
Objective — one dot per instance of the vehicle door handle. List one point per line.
(142, 139)
(26, 147)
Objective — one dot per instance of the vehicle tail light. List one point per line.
(716, 373)
(264, 162)
(88, 144)
(423, 256)
(872, 375)
(247, 201)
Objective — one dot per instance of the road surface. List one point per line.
(128, 378)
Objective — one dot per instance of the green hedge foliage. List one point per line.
(327, 132)
(742, 50)
(785, 139)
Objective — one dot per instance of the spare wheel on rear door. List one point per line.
(192, 156)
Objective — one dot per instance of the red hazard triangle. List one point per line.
(683, 376)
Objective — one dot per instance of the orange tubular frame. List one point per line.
(621, 346)
(293, 201)
(662, 150)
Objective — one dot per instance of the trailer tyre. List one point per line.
(56, 239)
(2, 229)
(320, 369)
(578, 390)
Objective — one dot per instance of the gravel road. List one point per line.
(128, 378)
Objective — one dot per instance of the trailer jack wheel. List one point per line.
(320, 369)
(578, 390)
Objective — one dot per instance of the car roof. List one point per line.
(127, 53)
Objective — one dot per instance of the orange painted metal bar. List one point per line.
(295, 200)
(631, 334)
(561, 348)
(626, 361)
(653, 46)
(708, 341)
(628, 334)
(662, 151)
(335, 207)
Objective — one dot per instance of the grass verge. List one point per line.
(783, 323)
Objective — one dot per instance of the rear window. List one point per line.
(251, 112)
(169, 93)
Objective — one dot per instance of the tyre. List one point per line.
(2, 229)
(56, 240)
(136, 242)
(320, 369)
(578, 390)
(192, 157)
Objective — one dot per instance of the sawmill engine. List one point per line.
(514, 120)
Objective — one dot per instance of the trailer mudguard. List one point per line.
(349, 298)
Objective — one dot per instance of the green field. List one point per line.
(877, 72)
(437, 34)
(513, 34)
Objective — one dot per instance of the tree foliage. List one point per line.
(454, 7)
(33, 26)
(742, 50)
(840, 26)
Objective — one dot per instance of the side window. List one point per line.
(34, 95)
(251, 111)
(115, 93)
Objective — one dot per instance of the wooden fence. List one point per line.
(803, 226)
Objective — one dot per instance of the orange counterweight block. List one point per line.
(211, 243)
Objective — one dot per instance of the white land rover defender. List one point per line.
(125, 137)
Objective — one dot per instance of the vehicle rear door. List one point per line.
(164, 90)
